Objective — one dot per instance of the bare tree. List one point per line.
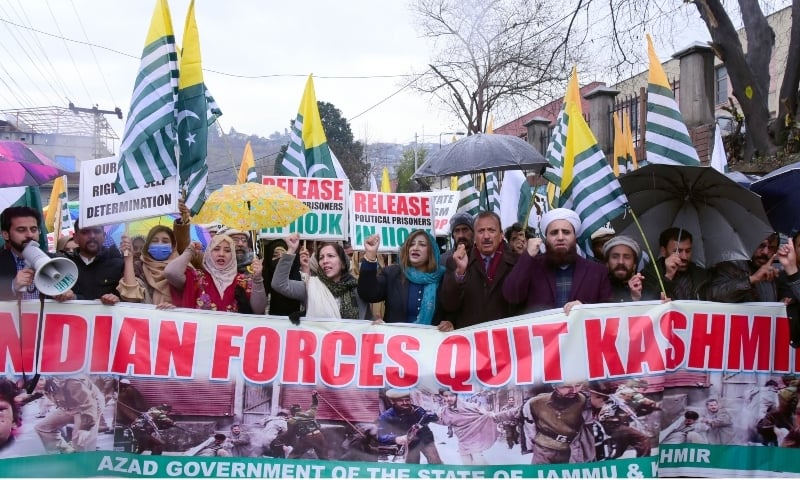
(748, 65)
(493, 52)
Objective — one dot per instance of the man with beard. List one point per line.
(562, 425)
(406, 425)
(244, 254)
(751, 280)
(682, 278)
(463, 233)
(622, 255)
(560, 278)
(472, 287)
(19, 226)
(99, 269)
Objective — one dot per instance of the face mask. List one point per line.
(160, 251)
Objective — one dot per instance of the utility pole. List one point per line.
(416, 147)
(98, 150)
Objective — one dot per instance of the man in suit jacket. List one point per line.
(471, 290)
(20, 225)
(559, 278)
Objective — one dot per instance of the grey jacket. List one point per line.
(296, 289)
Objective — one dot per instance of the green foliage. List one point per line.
(340, 139)
(406, 168)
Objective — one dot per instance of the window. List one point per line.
(720, 85)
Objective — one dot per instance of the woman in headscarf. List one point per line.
(143, 279)
(331, 293)
(409, 288)
(216, 286)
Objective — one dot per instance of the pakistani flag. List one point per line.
(308, 154)
(666, 139)
(147, 152)
(24, 197)
(555, 149)
(469, 200)
(588, 185)
(247, 171)
(194, 116)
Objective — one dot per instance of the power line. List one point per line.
(52, 71)
(69, 52)
(270, 75)
(91, 49)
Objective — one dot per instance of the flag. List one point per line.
(386, 185)
(58, 217)
(308, 154)
(525, 202)
(555, 149)
(468, 201)
(24, 197)
(373, 184)
(247, 171)
(194, 116)
(624, 157)
(619, 164)
(490, 195)
(719, 160)
(509, 197)
(453, 183)
(667, 139)
(588, 184)
(147, 151)
(630, 149)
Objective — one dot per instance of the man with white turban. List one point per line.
(558, 277)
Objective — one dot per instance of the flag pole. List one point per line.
(649, 251)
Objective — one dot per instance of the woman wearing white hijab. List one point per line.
(217, 286)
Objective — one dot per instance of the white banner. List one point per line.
(445, 205)
(391, 215)
(327, 200)
(100, 204)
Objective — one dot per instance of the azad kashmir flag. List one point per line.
(468, 198)
(666, 139)
(57, 217)
(147, 151)
(247, 172)
(24, 197)
(624, 152)
(308, 154)
(196, 111)
(588, 185)
(555, 149)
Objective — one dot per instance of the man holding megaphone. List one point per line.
(20, 226)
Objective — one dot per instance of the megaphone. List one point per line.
(53, 276)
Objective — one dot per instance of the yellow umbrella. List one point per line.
(251, 206)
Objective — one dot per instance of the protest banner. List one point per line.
(100, 204)
(445, 205)
(391, 215)
(605, 390)
(327, 200)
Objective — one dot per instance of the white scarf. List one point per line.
(223, 276)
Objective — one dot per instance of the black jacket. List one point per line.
(391, 286)
(99, 277)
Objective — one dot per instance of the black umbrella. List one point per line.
(481, 152)
(781, 197)
(726, 220)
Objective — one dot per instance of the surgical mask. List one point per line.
(160, 251)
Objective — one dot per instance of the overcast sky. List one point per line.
(354, 38)
(282, 42)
